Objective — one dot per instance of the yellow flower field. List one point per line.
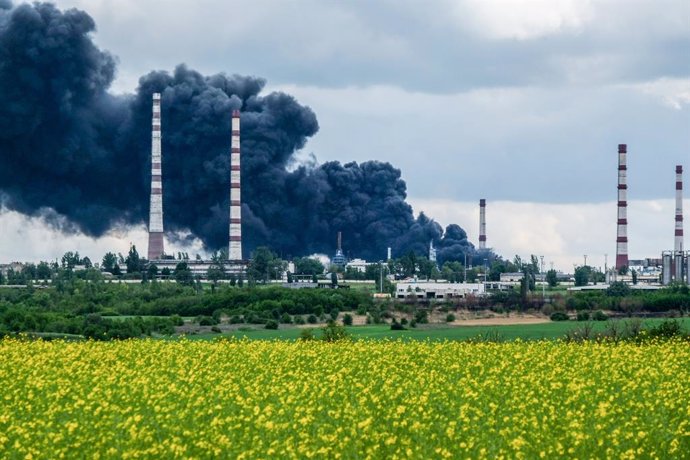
(232, 399)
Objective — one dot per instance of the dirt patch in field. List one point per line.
(500, 321)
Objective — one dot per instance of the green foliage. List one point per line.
(552, 278)
(271, 324)
(583, 316)
(599, 316)
(333, 332)
(582, 275)
(559, 316)
(347, 319)
(450, 318)
(421, 317)
(308, 266)
(307, 334)
(312, 319)
(666, 330)
(183, 274)
(618, 289)
(265, 265)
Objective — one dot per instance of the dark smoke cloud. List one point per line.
(68, 145)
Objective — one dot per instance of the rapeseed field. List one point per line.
(239, 399)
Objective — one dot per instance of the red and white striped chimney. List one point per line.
(622, 234)
(156, 249)
(482, 224)
(235, 249)
(678, 242)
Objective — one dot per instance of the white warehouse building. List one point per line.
(431, 290)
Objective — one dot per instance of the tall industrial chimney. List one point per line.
(156, 249)
(482, 224)
(678, 243)
(678, 256)
(235, 249)
(622, 234)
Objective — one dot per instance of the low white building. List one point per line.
(358, 264)
(431, 290)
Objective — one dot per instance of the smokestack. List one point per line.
(235, 250)
(156, 208)
(622, 234)
(390, 253)
(482, 224)
(340, 243)
(678, 246)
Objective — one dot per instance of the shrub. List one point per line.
(559, 316)
(666, 329)
(312, 319)
(286, 319)
(599, 316)
(235, 319)
(271, 324)
(396, 326)
(207, 320)
(332, 332)
(347, 319)
(413, 323)
(215, 329)
(307, 334)
(450, 318)
(362, 310)
(177, 320)
(299, 319)
(403, 321)
(334, 314)
(583, 316)
(421, 316)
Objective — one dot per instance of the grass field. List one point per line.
(552, 330)
(365, 399)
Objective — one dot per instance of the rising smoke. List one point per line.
(69, 148)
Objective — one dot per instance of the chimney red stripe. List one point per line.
(622, 204)
(236, 238)
(235, 221)
(622, 239)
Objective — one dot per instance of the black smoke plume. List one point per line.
(69, 148)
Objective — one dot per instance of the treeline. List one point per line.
(84, 307)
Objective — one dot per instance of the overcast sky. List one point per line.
(521, 102)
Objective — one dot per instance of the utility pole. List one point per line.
(464, 279)
(543, 281)
(381, 277)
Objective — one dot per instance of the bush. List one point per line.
(599, 316)
(403, 321)
(334, 314)
(666, 330)
(215, 329)
(207, 320)
(450, 318)
(332, 332)
(236, 319)
(299, 320)
(583, 316)
(307, 334)
(396, 326)
(312, 319)
(347, 319)
(271, 324)
(421, 317)
(413, 323)
(177, 320)
(559, 316)
(286, 319)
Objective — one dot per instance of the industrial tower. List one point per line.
(482, 224)
(235, 247)
(622, 233)
(678, 255)
(156, 249)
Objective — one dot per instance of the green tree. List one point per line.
(265, 265)
(70, 260)
(453, 272)
(334, 279)
(308, 266)
(183, 274)
(43, 271)
(152, 271)
(132, 261)
(552, 278)
(634, 277)
(582, 275)
(109, 262)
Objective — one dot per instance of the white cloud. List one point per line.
(524, 19)
(27, 239)
(672, 92)
(562, 233)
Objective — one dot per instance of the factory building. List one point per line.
(431, 290)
